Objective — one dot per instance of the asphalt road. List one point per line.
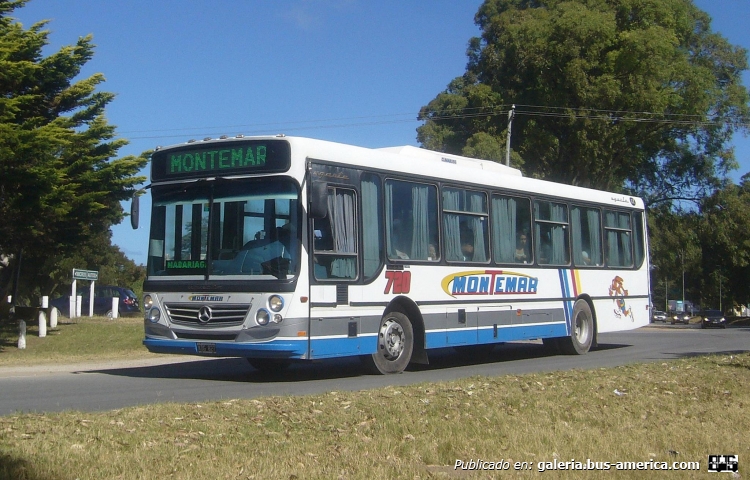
(193, 379)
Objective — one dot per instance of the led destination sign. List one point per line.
(221, 158)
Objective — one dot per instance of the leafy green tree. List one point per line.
(675, 249)
(623, 95)
(60, 183)
(725, 245)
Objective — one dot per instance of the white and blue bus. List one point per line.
(280, 249)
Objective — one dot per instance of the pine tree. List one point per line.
(60, 180)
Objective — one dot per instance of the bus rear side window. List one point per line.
(618, 235)
(587, 238)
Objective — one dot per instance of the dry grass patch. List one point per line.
(673, 411)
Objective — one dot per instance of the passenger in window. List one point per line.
(522, 249)
(545, 252)
(431, 252)
(586, 258)
(401, 251)
(467, 243)
(467, 250)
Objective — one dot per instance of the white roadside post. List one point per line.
(42, 317)
(79, 301)
(72, 302)
(53, 318)
(115, 307)
(91, 299)
(21, 335)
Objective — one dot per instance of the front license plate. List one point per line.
(206, 347)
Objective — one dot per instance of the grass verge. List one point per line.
(676, 411)
(82, 340)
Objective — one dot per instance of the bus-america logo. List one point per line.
(489, 282)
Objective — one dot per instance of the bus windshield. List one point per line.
(225, 229)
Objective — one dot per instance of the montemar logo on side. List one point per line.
(489, 282)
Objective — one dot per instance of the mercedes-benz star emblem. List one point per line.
(204, 314)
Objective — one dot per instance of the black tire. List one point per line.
(269, 365)
(582, 326)
(395, 345)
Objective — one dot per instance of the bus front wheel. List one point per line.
(395, 345)
(582, 335)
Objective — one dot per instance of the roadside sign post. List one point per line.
(91, 276)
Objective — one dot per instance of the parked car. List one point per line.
(128, 305)
(682, 317)
(713, 318)
(659, 316)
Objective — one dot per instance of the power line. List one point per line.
(612, 116)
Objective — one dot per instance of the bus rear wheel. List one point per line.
(395, 345)
(582, 335)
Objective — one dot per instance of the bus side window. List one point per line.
(511, 233)
(617, 239)
(551, 233)
(411, 221)
(465, 225)
(335, 237)
(585, 226)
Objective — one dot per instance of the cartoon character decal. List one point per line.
(618, 292)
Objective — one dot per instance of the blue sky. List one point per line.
(351, 71)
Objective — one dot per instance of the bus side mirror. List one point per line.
(135, 206)
(318, 200)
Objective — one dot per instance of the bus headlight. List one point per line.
(262, 317)
(154, 314)
(275, 303)
(277, 318)
(148, 302)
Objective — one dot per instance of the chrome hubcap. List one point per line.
(391, 339)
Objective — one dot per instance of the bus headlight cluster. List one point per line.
(153, 315)
(275, 303)
(264, 316)
(148, 302)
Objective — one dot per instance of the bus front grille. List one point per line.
(207, 315)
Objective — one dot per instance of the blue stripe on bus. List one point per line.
(522, 332)
(566, 294)
(272, 349)
(347, 346)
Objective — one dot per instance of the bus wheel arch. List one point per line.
(407, 306)
(583, 329)
(400, 336)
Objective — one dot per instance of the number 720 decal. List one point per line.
(398, 282)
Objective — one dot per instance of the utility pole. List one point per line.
(511, 114)
(682, 259)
